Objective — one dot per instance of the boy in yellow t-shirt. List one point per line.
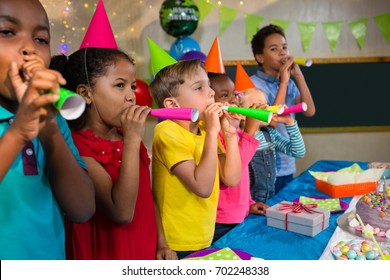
(187, 159)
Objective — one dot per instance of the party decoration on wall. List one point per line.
(179, 18)
(226, 17)
(252, 24)
(359, 29)
(332, 31)
(306, 31)
(193, 55)
(205, 8)
(284, 24)
(214, 61)
(142, 94)
(159, 57)
(99, 33)
(383, 23)
(242, 80)
(183, 45)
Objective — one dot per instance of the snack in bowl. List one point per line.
(355, 249)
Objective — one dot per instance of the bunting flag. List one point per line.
(252, 24)
(332, 31)
(282, 23)
(226, 17)
(306, 30)
(359, 29)
(205, 8)
(383, 23)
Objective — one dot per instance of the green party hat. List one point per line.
(159, 57)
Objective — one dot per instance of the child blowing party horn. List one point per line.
(187, 114)
(298, 108)
(263, 115)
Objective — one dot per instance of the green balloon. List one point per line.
(179, 18)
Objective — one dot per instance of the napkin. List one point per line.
(223, 254)
(329, 203)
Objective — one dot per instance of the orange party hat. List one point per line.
(243, 81)
(214, 61)
(99, 33)
(159, 57)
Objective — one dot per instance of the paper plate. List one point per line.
(243, 255)
(344, 205)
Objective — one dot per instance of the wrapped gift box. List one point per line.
(301, 218)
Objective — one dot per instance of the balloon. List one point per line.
(179, 18)
(183, 45)
(193, 55)
(142, 94)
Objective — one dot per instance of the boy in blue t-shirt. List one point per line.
(41, 179)
(270, 49)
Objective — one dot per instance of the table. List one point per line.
(255, 237)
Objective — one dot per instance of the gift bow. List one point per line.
(298, 207)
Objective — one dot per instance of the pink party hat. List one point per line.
(159, 57)
(99, 33)
(214, 61)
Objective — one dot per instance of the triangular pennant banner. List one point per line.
(359, 31)
(332, 31)
(205, 8)
(306, 30)
(226, 17)
(252, 24)
(383, 23)
(279, 22)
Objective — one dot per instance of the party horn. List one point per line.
(70, 105)
(263, 115)
(298, 108)
(303, 61)
(187, 114)
(276, 109)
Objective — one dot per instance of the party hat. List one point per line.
(214, 62)
(159, 57)
(243, 81)
(99, 33)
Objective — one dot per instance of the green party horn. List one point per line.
(70, 105)
(262, 115)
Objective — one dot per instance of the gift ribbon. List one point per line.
(298, 207)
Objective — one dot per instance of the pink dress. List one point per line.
(100, 238)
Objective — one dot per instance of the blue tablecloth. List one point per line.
(255, 237)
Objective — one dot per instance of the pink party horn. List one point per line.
(298, 108)
(187, 114)
(263, 115)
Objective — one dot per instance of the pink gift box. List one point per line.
(305, 219)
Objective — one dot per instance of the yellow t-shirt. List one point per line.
(188, 220)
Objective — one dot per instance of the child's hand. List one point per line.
(285, 119)
(133, 121)
(285, 70)
(35, 109)
(233, 118)
(166, 253)
(258, 208)
(228, 127)
(211, 117)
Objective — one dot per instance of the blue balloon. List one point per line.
(193, 55)
(183, 45)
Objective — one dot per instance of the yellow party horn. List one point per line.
(303, 61)
(276, 109)
(262, 115)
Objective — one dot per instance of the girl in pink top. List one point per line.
(235, 202)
